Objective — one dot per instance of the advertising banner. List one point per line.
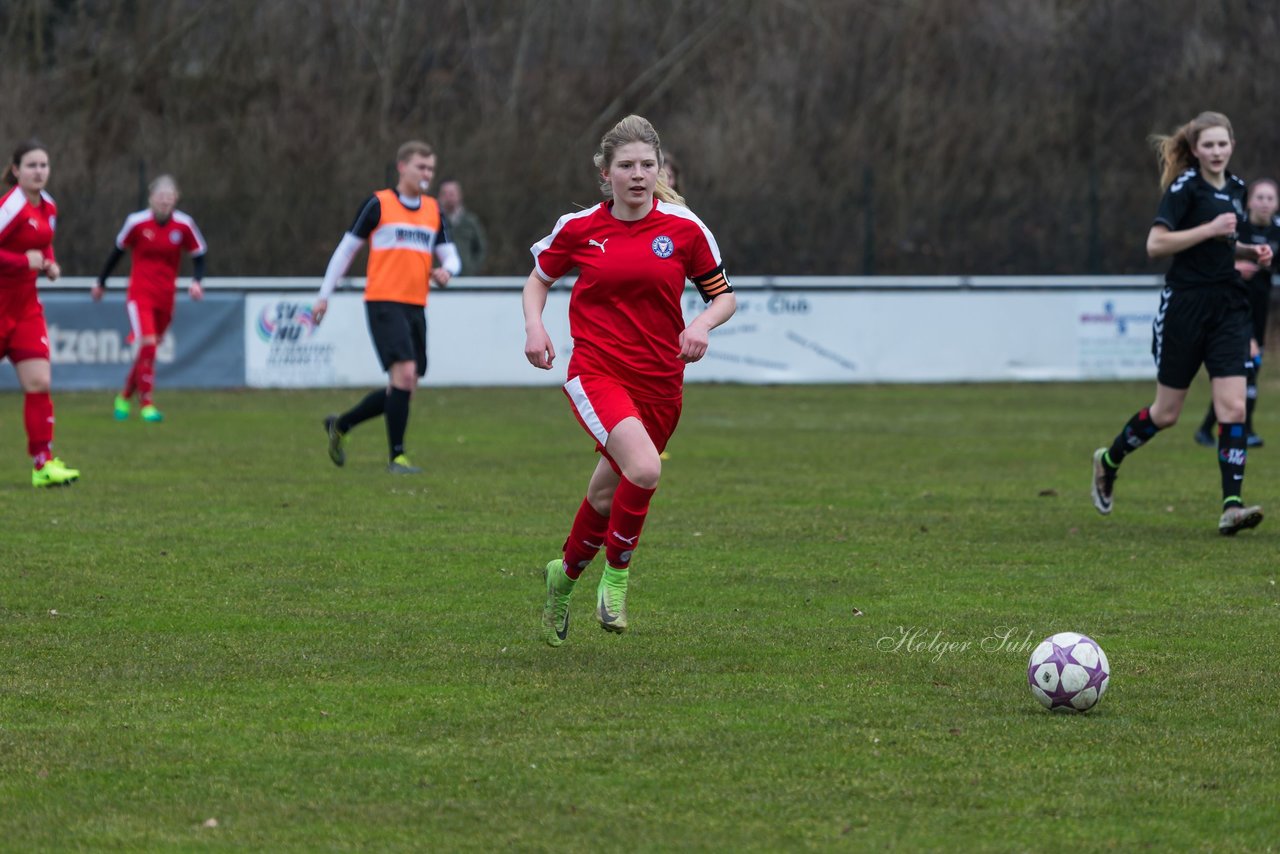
(285, 348)
(473, 338)
(1113, 332)
(793, 335)
(89, 346)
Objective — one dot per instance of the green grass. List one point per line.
(325, 659)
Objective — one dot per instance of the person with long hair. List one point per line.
(28, 218)
(633, 253)
(1261, 226)
(406, 232)
(157, 236)
(1204, 309)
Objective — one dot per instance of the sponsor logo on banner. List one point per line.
(287, 326)
(72, 346)
(1123, 322)
(1114, 336)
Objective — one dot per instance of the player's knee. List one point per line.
(404, 376)
(1230, 413)
(1164, 418)
(645, 472)
(601, 499)
(39, 384)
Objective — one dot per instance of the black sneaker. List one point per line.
(1104, 480)
(1204, 437)
(337, 441)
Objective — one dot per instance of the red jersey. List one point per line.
(157, 252)
(23, 226)
(625, 311)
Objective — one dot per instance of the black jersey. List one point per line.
(1191, 201)
(1257, 235)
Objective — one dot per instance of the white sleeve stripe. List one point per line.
(545, 243)
(11, 207)
(542, 274)
(130, 222)
(185, 219)
(685, 213)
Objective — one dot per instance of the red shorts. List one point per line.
(601, 402)
(25, 336)
(147, 319)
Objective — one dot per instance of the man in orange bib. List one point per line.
(405, 233)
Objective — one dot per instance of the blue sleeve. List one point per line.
(198, 263)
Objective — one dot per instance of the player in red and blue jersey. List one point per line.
(633, 253)
(28, 218)
(158, 237)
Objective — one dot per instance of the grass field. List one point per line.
(216, 623)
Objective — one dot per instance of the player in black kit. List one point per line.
(1262, 226)
(1204, 308)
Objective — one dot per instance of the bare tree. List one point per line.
(816, 136)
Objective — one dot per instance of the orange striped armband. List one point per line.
(711, 285)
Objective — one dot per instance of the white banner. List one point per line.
(793, 335)
(284, 348)
(929, 336)
(1114, 334)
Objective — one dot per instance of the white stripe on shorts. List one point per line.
(135, 322)
(578, 396)
(1157, 325)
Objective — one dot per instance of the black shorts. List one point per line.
(1259, 305)
(399, 333)
(1205, 324)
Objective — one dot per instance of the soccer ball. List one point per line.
(1068, 672)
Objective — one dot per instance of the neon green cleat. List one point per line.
(150, 414)
(54, 473)
(555, 613)
(122, 408)
(611, 600)
(401, 465)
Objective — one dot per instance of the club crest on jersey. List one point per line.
(175, 237)
(663, 246)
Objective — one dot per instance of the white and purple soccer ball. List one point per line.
(1068, 672)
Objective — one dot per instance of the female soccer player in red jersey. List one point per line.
(158, 236)
(1204, 313)
(28, 218)
(633, 253)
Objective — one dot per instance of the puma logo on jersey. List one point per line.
(599, 243)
